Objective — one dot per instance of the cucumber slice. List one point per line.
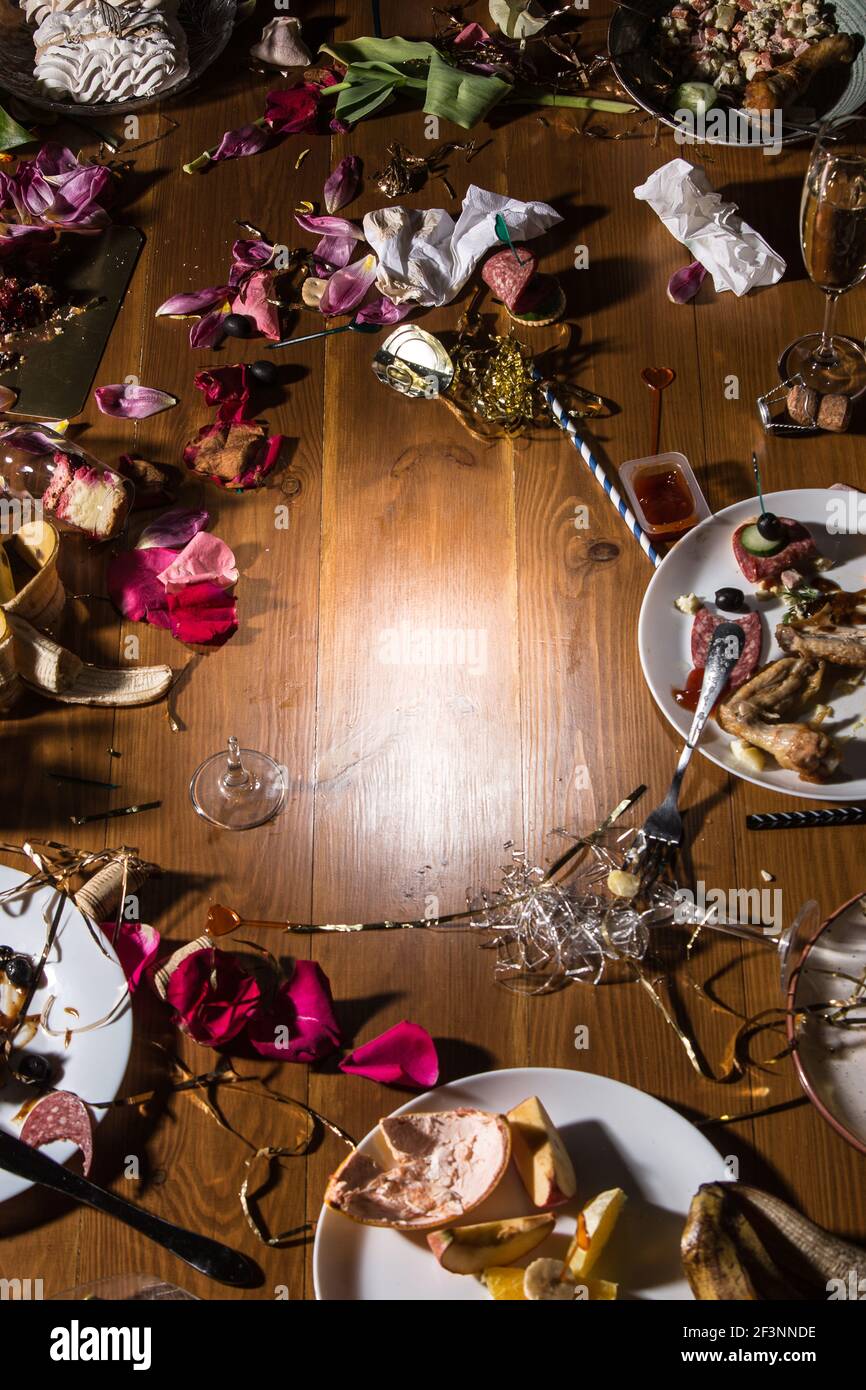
(756, 544)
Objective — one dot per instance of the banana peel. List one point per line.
(742, 1244)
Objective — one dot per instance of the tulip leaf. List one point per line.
(463, 97)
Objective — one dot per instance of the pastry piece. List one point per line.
(281, 45)
(25, 307)
(86, 498)
(88, 55)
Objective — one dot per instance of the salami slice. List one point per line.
(507, 276)
(801, 551)
(705, 625)
(60, 1115)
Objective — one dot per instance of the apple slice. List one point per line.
(471, 1249)
(541, 1157)
(595, 1225)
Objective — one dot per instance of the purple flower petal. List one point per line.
(135, 588)
(130, 402)
(381, 309)
(684, 284)
(175, 528)
(332, 253)
(342, 185)
(181, 306)
(330, 226)
(251, 254)
(247, 139)
(207, 332)
(346, 288)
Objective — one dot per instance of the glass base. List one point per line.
(844, 376)
(241, 807)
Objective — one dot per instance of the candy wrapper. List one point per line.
(425, 257)
(730, 250)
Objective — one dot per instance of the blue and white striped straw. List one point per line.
(565, 423)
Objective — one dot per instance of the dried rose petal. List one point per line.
(342, 185)
(130, 402)
(404, 1055)
(346, 288)
(302, 1025)
(684, 284)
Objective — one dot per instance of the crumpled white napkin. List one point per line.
(734, 254)
(427, 258)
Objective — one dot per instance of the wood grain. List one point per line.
(443, 659)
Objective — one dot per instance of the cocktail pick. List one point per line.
(353, 326)
(504, 235)
(657, 379)
(757, 472)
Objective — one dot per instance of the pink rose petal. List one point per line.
(204, 560)
(404, 1055)
(130, 402)
(136, 945)
(254, 299)
(213, 998)
(133, 585)
(302, 1025)
(289, 112)
(202, 615)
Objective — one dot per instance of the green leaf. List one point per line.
(360, 99)
(541, 96)
(394, 51)
(463, 97)
(12, 134)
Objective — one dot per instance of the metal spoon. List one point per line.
(208, 1256)
(353, 326)
(657, 379)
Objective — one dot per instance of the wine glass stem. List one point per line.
(236, 774)
(825, 352)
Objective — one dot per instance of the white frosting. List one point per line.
(37, 11)
(78, 58)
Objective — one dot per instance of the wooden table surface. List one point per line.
(408, 780)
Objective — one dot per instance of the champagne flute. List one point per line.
(239, 788)
(833, 242)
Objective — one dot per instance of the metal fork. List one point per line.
(662, 831)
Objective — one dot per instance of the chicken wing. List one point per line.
(752, 713)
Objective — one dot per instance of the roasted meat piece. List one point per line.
(836, 633)
(753, 713)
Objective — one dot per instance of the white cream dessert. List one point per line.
(445, 1164)
(37, 11)
(96, 52)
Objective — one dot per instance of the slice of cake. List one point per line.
(84, 497)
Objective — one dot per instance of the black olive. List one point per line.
(263, 371)
(730, 600)
(33, 1068)
(236, 326)
(6, 952)
(19, 972)
(769, 526)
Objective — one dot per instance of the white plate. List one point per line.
(617, 1137)
(831, 1061)
(81, 978)
(702, 562)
